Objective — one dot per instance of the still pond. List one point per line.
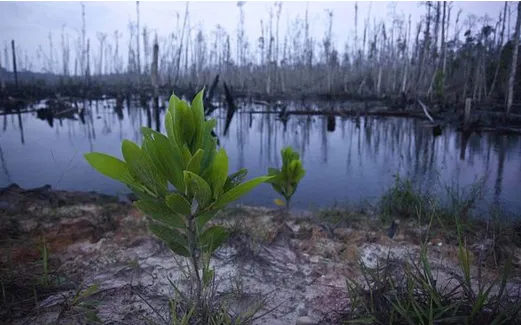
(354, 162)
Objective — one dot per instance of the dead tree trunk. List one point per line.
(180, 46)
(501, 38)
(2, 79)
(424, 51)
(435, 73)
(444, 32)
(15, 71)
(406, 56)
(154, 76)
(83, 39)
(155, 83)
(270, 55)
(512, 77)
(277, 42)
(138, 61)
(87, 69)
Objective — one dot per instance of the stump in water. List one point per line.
(465, 136)
(331, 123)
(466, 117)
(437, 130)
(231, 108)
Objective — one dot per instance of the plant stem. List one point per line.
(45, 263)
(193, 254)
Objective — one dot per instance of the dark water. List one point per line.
(354, 162)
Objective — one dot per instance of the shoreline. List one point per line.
(94, 238)
(484, 116)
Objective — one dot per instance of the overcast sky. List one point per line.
(29, 23)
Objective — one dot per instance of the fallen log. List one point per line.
(230, 108)
(425, 111)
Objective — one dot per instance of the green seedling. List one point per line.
(286, 179)
(187, 159)
(45, 263)
(83, 303)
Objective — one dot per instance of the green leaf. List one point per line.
(184, 123)
(235, 179)
(110, 166)
(198, 118)
(208, 275)
(166, 158)
(186, 154)
(203, 217)
(278, 188)
(178, 203)
(142, 168)
(212, 238)
(142, 192)
(287, 178)
(172, 132)
(172, 238)
(198, 188)
(209, 145)
(276, 173)
(89, 291)
(208, 156)
(194, 165)
(159, 211)
(240, 190)
(219, 173)
(92, 316)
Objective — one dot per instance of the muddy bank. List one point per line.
(299, 263)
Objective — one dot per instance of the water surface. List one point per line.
(354, 162)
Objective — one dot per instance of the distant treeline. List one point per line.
(445, 57)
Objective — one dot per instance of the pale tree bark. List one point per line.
(308, 52)
(436, 54)
(101, 38)
(283, 66)
(146, 52)
(180, 46)
(138, 52)
(262, 45)
(240, 44)
(406, 54)
(391, 55)
(51, 54)
(83, 39)
(2, 79)
(444, 32)
(327, 52)
(65, 53)
(278, 5)
(512, 77)
(87, 69)
(379, 58)
(131, 54)
(470, 22)
(117, 61)
(509, 19)
(501, 39)
(187, 49)
(355, 49)
(417, 53)
(269, 54)
(424, 54)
